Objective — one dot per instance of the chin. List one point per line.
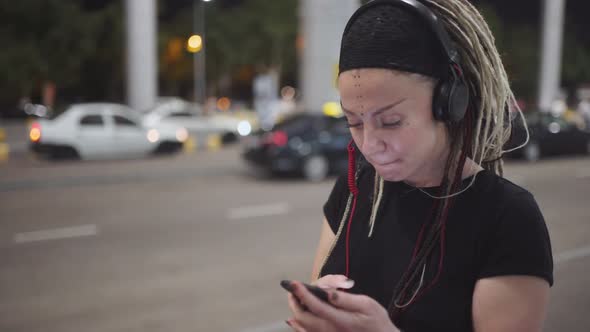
(392, 177)
(391, 173)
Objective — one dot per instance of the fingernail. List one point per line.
(349, 283)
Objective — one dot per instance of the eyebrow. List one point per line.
(378, 111)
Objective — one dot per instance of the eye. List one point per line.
(353, 125)
(391, 124)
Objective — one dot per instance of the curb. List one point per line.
(4, 147)
(4, 152)
(211, 142)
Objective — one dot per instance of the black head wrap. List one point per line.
(393, 37)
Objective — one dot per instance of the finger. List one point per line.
(334, 281)
(316, 306)
(352, 302)
(303, 318)
(295, 305)
(295, 325)
(309, 322)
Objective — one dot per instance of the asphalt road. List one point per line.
(197, 243)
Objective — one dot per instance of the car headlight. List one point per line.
(181, 134)
(153, 135)
(244, 128)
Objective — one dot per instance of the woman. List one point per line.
(424, 234)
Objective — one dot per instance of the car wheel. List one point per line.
(168, 148)
(315, 168)
(532, 151)
(63, 152)
(71, 153)
(229, 138)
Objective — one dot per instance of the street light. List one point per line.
(195, 45)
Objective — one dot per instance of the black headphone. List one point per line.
(451, 95)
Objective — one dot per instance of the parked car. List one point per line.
(99, 131)
(178, 112)
(549, 135)
(308, 143)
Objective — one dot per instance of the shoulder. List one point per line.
(515, 239)
(507, 205)
(505, 197)
(494, 184)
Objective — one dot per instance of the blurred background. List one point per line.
(163, 164)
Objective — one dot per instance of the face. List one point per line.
(391, 122)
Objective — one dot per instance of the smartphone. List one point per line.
(315, 290)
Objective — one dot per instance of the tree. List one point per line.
(54, 41)
(255, 32)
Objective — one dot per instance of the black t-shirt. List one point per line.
(494, 228)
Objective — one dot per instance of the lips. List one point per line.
(377, 164)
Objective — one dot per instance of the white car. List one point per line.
(102, 131)
(178, 112)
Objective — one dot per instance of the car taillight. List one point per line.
(278, 138)
(35, 132)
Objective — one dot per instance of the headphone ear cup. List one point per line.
(458, 101)
(440, 99)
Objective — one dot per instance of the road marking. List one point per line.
(258, 211)
(570, 255)
(56, 234)
(271, 327)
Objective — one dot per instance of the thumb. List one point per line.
(334, 281)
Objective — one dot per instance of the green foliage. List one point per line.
(518, 45)
(53, 41)
(575, 59)
(256, 32)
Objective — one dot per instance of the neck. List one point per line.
(432, 174)
(432, 171)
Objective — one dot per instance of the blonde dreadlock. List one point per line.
(484, 71)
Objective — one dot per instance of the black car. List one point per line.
(549, 135)
(308, 143)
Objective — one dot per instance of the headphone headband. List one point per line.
(424, 12)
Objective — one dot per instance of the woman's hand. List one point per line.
(347, 312)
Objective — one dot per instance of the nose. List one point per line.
(372, 143)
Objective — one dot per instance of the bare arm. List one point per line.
(326, 239)
(510, 303)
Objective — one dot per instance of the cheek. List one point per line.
(402, 142)
(357, 137)
(412, 142)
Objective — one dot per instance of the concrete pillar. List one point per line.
(550, 64)
(141, 53)
(321, 25)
